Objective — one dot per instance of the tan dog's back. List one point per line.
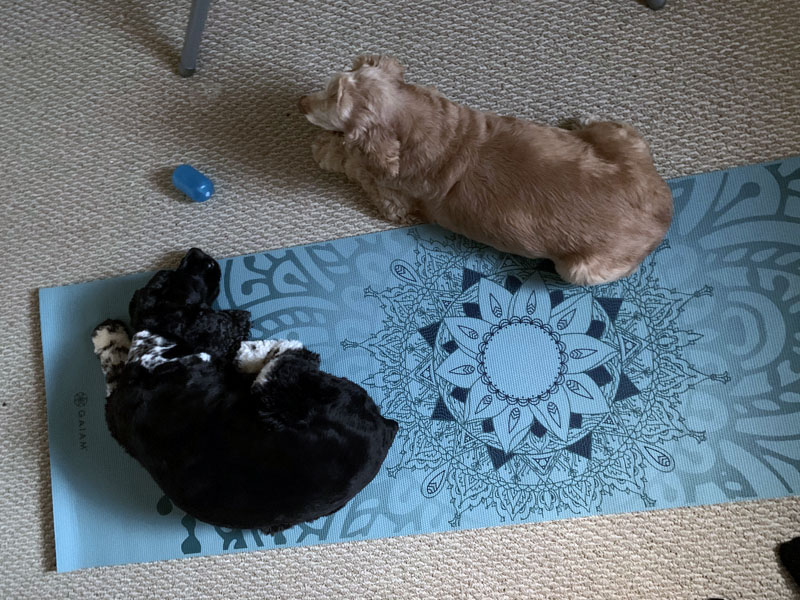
(590, 199)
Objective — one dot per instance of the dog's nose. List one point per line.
(303, 105)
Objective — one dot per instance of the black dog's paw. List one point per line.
(111, 345)
(265, 356)
(293, 366)
(276, 528)
(110, 334)
(112, 325)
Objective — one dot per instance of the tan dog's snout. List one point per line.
(303, 105)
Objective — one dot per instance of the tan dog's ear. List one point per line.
(379, 147)
(389, 65)
(344, 96)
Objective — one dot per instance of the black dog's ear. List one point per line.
(145, 300)
(218, 333)
(240, 327)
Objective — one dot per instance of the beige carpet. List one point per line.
(92, 118)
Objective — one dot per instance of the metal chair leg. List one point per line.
(191, 43)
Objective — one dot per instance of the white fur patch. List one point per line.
(254, 354)
(148, 349)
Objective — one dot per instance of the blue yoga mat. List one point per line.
(519, 398)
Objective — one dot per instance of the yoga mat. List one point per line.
(519, 398)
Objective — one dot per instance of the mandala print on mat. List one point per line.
(518, 392)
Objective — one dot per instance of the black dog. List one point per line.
(238, 433)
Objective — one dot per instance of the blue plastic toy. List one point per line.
(192, 183)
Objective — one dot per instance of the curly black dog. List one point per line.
(238, 433)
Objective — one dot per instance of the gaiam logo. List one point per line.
(80, 400)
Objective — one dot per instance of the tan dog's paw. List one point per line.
(398, 215)
(395, 207)
(328, 151)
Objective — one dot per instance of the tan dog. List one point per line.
(589, 199)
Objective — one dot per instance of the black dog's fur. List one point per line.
(230, 447)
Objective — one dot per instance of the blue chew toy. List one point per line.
(192, 183)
